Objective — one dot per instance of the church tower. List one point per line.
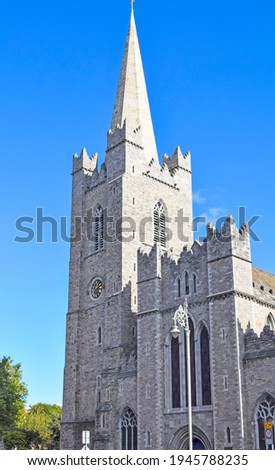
(131, 204)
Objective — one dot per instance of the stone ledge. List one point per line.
(258, 355)
(99, 437)
(160, 181)
(147, 312)
(150, 279)
(95, 186)
(124, 141)
(229, 256)
(125, 375)
(195, 409)
(79, 421)
(105, 406)
(110, 371)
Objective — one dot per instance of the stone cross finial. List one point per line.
(132, 4)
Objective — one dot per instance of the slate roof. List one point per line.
(263, 278)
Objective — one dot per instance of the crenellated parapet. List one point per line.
(229, 258)
(229, 240)
(177, 161)
(259, 346)
(171, 172)
(197, 251)
(85, 163)
(96, 178)
(185, 275)
(187, 257)
(228, 231)
(88, 166)
(125, 149)
(220, 264)
(172, 276)
(124, 134)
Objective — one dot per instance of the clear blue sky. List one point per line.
(210, 73)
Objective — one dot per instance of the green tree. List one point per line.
(13, 393)
(44, 420)
(21, 439)
(15, 439)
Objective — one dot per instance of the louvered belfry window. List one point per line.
(159, 225)
(99, 229)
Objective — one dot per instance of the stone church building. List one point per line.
(134, 263)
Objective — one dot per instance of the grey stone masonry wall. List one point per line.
(228, 252)
(259, 374)
(150, 380)
(223, 299)
(118, 345)
(127, 189)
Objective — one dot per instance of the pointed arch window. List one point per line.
(148, 439)
(159, 225)
(270, 321)
(175, 373)
(179, 288)
(99, 336)
(187, 286)
(205, 367)
(128, 430)
(228, 435)
(99, 229)
(193, 366)
(194, 283)
(98, 390)
(265, 412)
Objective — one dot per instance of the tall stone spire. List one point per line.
(132, 101)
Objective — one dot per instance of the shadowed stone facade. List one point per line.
(133, 261)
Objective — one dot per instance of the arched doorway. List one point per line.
(180, 440)
(198, 444)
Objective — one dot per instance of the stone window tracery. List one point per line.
(265, 412)
(128, 430)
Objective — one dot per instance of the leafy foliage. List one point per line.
(21, 439)
(15, 440)
(13, 393)
(35, 428)
(44, 420)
